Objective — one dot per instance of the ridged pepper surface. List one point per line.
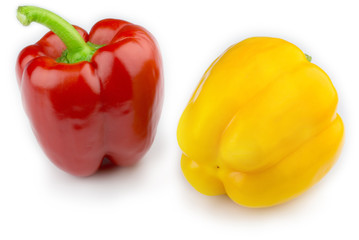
(91, 96)
(261, 126)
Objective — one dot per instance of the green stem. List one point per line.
(309, 58)
(77, 49)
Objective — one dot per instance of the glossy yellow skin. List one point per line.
(261, 126)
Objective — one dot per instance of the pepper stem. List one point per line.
(309, 58)
(77, 49)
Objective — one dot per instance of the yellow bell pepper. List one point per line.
(261, 126)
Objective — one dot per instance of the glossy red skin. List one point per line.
(108, 107)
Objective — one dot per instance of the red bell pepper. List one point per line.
(90, 96)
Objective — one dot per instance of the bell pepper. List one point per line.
(90, 97)
(261, 126)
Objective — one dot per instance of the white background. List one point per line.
(153, 200)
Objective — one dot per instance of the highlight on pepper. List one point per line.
(90, 97)
(261, 126)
